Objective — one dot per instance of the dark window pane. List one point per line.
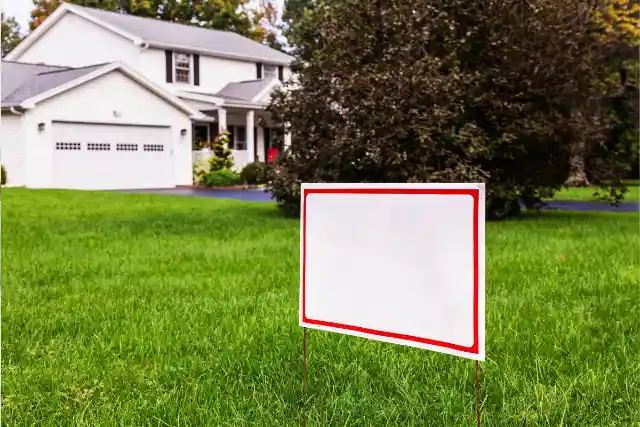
(241, 133)
(200, 133)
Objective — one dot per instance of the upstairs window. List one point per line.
(182, 67)
(270, 71)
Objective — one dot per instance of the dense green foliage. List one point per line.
(433, 91)
(221, 178)
(216, 170)
(296, 15)
(222, 156)
(618, 25)
(253, 173)
(151, 310)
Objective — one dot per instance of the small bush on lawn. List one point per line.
(253, 173)
(200, 171)
(222, 178)
(221, 158)
(3, 179)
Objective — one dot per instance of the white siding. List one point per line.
(110, 99)
(76, 42)
(152, 65)
(12, 148)
(215, 73)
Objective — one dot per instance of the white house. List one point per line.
(102, 100)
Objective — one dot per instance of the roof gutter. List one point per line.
(250, 105)
(211, 99)
(203, 118)
(16, 112)
(191, 49)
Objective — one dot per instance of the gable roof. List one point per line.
(167, 35)
(21, 81)
(33, 83)
(246, 90)
(15, 74)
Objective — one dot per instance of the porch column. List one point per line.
(287, 140)
(222, 122)
(251, 152)
(261, 149)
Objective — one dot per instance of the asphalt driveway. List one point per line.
(245, 195)
(262, 196)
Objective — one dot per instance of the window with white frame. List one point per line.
(182, 66)
(270, 70)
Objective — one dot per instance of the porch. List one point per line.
(251, 132)
(239, 108)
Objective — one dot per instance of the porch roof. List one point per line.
(221, 100)
(247, 91)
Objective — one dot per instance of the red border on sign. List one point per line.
(474, 193)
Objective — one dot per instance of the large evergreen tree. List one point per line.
(494, 91)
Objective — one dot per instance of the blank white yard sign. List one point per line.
(401, 263)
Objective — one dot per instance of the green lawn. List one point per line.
(141, 310)
(587, 193)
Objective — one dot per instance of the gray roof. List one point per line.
(21, 81)
(153, 30)
(243, 91)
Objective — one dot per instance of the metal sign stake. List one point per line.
(477, 392)
(304, 378)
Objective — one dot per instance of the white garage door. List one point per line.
(110, 157)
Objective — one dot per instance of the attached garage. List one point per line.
(99, 156)
(106, 128)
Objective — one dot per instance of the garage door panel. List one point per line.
(112, 157)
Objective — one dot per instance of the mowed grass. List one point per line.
(143, 310)
(594, 194)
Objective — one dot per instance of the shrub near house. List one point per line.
(217, 170)
(222, 178)
(253, 173)
(3, 178)
(207, 171)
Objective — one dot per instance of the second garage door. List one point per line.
(110, 157)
